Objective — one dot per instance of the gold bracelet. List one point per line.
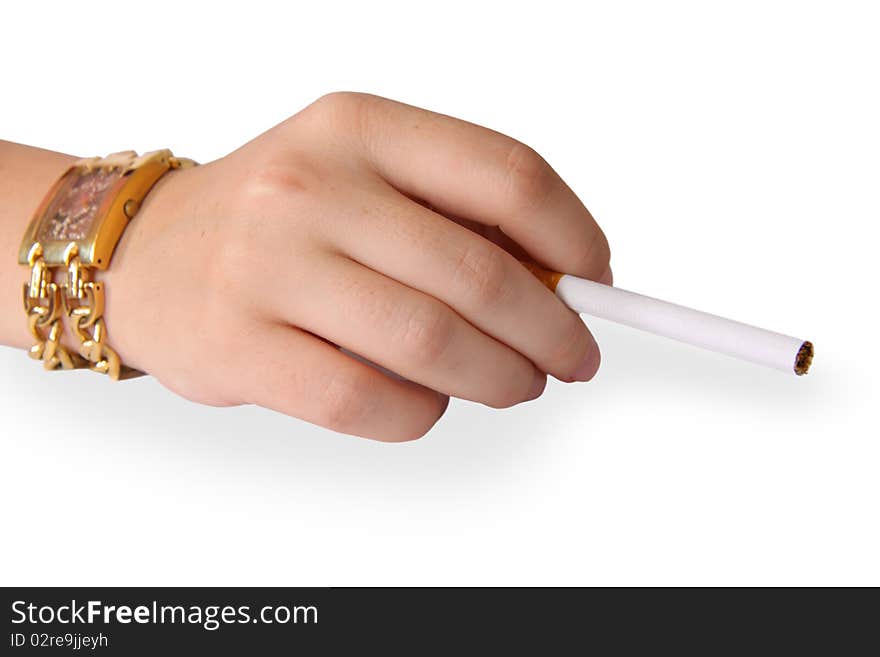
(76, 229)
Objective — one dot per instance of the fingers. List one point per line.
(297, 374)
(476, 173)
(408, 332)
(478, 279)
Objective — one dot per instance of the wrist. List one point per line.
(132, 288)
(26, 175)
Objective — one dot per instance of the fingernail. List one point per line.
(587, 370)
(537, 388)
(607, 278)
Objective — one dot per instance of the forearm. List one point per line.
(26, 174)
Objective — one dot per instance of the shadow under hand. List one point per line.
(472, 445)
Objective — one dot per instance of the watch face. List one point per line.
(72, 212)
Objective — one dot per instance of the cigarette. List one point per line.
(725, 336)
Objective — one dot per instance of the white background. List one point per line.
(730, 150)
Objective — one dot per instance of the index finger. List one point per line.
(470, 171)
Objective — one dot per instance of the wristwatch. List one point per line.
(75, 230)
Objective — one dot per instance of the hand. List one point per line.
(365, 224)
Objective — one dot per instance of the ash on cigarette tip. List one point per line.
(804, 359)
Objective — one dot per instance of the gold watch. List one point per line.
(75, 230)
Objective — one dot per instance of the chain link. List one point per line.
(83, 301)
(43, 305)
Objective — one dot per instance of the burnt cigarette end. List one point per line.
(804, 359)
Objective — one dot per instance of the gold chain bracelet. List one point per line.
(76, 229)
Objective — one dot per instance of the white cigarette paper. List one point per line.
(782, 352)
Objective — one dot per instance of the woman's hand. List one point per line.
(365, 224)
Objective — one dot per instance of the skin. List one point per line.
(358, 226)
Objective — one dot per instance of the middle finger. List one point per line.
(410, 333)
(478, 279)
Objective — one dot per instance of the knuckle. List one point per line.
(483, 272)
(251, 225)
(271, 176)
(344, 111)
(530, 180)
(597, 256)
(296, 175)
(344, 402)
(325, 107)
(339, 100)
(426, 334)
